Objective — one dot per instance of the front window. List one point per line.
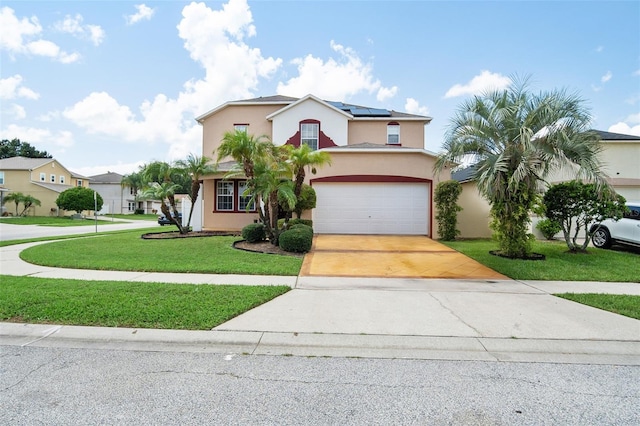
(132, 206)
(43, 177)
(79, 182)
(309, 134)
(1, 178)
(224, 196)
(393, 134)
(52, 178)
(62, 179)
(244, 201)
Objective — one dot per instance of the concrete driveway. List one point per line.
(390, 256)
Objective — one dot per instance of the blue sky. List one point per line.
(111, 85)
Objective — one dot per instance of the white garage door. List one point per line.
(371, 208)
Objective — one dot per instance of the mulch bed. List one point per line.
(532, 256)
(261, 247)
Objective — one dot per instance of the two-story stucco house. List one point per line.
(42, 178)
(380, 180)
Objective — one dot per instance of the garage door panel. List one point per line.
(372, 208)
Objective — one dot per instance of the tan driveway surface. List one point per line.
(390, 256)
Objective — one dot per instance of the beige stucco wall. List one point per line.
(473, 220)
(621, 159)
(374, 131)
(214, 127)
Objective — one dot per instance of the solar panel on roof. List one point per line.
(379, 112)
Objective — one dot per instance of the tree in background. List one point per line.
(16, 148)
(28, 201)
(14, 197)
(165, 192)
(133, 181)
(519, 138)
(195, 167)
(78, 199)
(446, 199)
(576, 205)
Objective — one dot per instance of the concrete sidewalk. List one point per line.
(492, 320)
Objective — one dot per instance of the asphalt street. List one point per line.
(84, 386)
(9, 231)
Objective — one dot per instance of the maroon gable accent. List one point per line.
(294, 140)
(370, 178)
(324, 141)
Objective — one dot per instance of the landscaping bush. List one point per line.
(296, 240)
(548, 228)
(139, 211)
(307, 222)
(254, 233)
(302, 226)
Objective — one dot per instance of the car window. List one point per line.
(633, 213)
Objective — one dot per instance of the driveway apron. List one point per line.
(390, 256)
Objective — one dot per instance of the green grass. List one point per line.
(64, 237)
(126, 251)
(51, 221)
(560, 265)
(151, 217)
(622, 304)
(126, 304)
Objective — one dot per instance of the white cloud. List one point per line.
(144, 12)
(386, 93)
(16, 111)
(214, 39)
(625, 129)
(479, 84)
(121, 168)
(15, 35)
(336, 79)
(11, 88)
(606, 77)
(412, 106)
(43, 137)
(73, 25)
(633, 118)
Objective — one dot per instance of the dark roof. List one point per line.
(274, 98)
(464, 175)
(109, 177)
(609, 136)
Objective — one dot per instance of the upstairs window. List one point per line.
(79, 182)
(393, 134)
(309, 134)
(62, 179)
(43, 177)
(52, 178)
(241, 128)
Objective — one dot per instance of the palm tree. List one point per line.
(243, 148)
(518, 139)
(15, 197)
(28, 201)
(196, 167)
(166, 191)
(303, 157)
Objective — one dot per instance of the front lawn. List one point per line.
(127, 251)
(127, 304)
(52, 221)
(622, 304)
(151, 217)
(560, 265)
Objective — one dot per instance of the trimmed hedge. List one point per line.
(307, 222)
(254, 233)
(302, 226)
(296, 240)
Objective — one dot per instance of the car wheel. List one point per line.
(601, 238)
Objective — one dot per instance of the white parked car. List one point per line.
(624, 231)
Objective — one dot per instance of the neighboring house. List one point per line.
(380, 181)
(117, 199)
(42, 178)
(621, 164)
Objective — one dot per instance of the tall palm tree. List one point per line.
(133, 181)
(302, 158)
(519, 138)
(15, 197)
(166, 191)
(243, 148)
(196, 167)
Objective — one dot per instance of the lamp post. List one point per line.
(95, 209)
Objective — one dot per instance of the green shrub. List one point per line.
(302, 226)
(254, 232)
(139, 211)
(297, 240)
(307, 222)
(548, 228)
(446, 198)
